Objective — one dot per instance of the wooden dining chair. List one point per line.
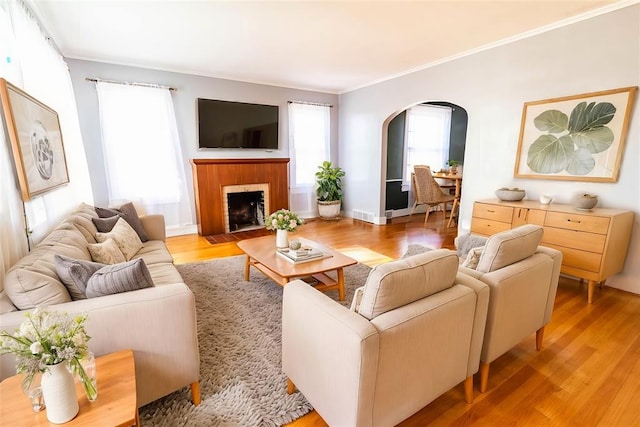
(428, 192)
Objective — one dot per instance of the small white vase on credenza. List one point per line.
(59, 392)
(282, 239)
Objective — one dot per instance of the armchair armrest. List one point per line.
(330, 353)
(154, 226)
(482, 306)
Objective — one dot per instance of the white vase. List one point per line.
(59, 392)
(282, 239)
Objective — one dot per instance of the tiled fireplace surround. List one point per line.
(213, 179)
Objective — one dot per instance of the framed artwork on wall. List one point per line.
(575, 138)
(36, 142)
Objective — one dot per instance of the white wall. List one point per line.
(592, 55)
(189, 88)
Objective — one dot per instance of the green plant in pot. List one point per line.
(329, 191)
(453, 166)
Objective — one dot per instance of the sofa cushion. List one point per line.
(33, 280)
(129, 213)
(508, 247)
(125, 236)
(106, 252)
(75, 273)
(153, 252)
(117, 278)
(80, 219)
(6, 305)
(397, 283)
(164, 273)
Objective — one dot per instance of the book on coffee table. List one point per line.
(301, 255)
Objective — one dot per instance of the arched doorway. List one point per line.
(396, 199)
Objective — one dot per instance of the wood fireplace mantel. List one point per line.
(211, 175)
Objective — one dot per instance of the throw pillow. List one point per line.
(129, 213)
(75, 273)
(125, 236)
(473, 257)
(465, 242)
(117, 278)
(415, 249)
(105, 225)
(106, 252)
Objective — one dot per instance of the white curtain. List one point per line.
(141, 148)
(309, 143)
(428, 128)
(33, 64)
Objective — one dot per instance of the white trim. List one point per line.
(181, 231)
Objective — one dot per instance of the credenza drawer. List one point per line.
(487, 227)
(583, 260)
(591, 242)
(592, 224)
(493, 212)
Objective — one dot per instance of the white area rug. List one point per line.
(239, 332)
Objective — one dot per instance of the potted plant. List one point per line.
(453, 166)
(329, 191)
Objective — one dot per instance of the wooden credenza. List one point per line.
(593, 243)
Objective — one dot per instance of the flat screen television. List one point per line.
(227, 124)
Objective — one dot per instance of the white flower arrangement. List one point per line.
(47, 338)
(284, 219)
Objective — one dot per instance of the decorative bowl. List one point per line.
(585, 202)
(510, 194)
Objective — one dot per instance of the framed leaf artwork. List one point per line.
(575, 138)
(36, 142)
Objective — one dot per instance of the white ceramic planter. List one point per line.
(329, 210)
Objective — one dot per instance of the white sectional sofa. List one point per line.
(158, 323)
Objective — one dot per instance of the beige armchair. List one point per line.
(523, 279)
(414, 331)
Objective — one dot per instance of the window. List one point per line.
(142, 155)
(427, 138)
(309, 139)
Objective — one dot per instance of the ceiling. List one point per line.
(328, 46)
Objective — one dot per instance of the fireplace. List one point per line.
(245, 206)
(212, 176)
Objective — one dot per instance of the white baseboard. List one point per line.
(181, 230)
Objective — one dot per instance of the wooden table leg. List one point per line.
(341, 284)
(592, 285)
(246, 268)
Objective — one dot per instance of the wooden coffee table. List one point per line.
(117, 404)
(261, 254)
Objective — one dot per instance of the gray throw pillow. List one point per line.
(465, 242)
(415, 249)
(75, 273)
(128, 212)
(117, 278)
(105, 225)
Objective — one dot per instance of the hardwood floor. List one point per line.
(587, 373)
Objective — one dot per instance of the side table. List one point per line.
(117, 404)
